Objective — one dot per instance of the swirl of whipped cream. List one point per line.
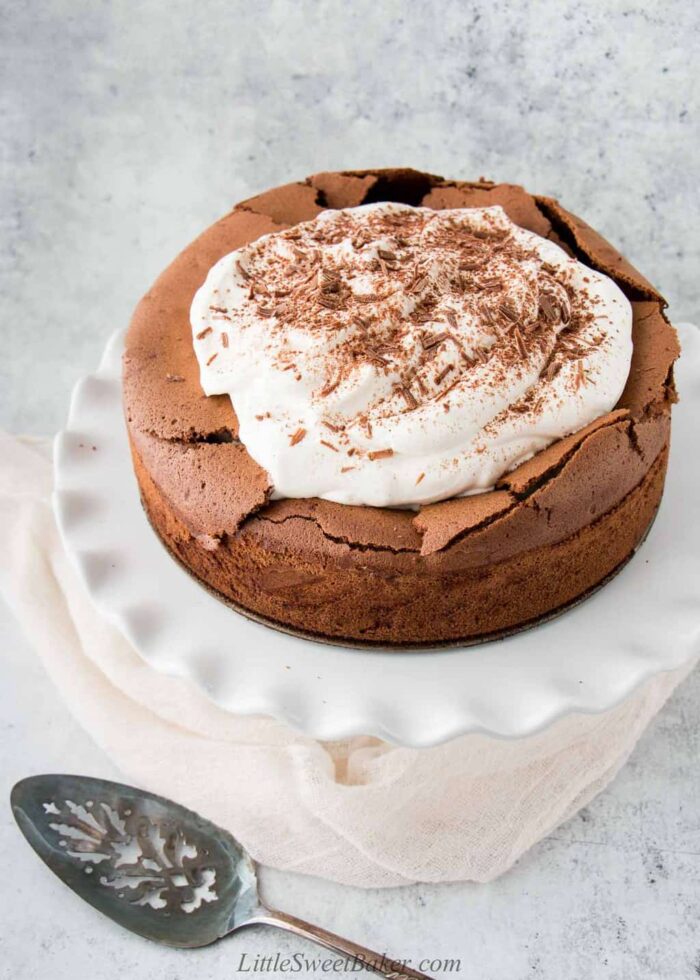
(394, 356)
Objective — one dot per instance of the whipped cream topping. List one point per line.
(394, 356)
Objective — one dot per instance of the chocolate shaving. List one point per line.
(331, 302)
(494, 234)
(432, 340)
(212, 358)
(374, 356)
(417, 284)
(380, 454)
(407, 395)
(551, 370)
(487, 315)
(447, 391)
(509, 312)
(548, 307)
(224, 339)
(565, 312)
(296, 437)
(522, 349)
(421, 477)
(329, 445)
(329, 387)
(580, 378)
(204, 333)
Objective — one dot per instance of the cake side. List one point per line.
(331, 590)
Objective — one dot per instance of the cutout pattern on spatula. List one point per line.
(147, 862)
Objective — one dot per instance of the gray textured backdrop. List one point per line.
(127, 127)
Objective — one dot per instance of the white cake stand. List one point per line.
(646, 620)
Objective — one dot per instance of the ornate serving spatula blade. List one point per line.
(153, 866)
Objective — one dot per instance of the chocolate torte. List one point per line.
(452, 408)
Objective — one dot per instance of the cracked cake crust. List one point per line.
(461, 569)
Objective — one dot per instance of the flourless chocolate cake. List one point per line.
(384, 408)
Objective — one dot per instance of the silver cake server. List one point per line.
(155, 867)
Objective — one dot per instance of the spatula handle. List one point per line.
(390, 969)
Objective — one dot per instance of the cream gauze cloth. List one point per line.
(361, 811)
